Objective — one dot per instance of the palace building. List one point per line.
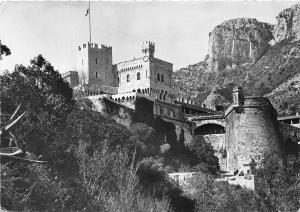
(146, 74)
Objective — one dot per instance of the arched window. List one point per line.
(138, 76)
(158, 77)
(162, 78)
(128, 79)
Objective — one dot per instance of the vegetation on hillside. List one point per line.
(96, 164)
(279, 64)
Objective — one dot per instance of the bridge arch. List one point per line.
(205, 127)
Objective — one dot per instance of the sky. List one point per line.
(180, 30)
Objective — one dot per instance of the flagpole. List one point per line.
(90, 21)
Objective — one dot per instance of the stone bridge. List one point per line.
(211, 124)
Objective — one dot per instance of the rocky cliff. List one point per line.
(238, 41)
(286, 97)
(288, 24)
(240, 53)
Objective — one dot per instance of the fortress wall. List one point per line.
(252, 132)
(182, 130)
(217, 141)
(167, 110)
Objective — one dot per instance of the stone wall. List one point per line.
(72, 78)
(167, 110)
(252, 132)
(108, 107)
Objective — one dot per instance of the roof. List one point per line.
(129, 60)
(197, 107)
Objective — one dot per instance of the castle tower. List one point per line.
(238, 96)
(252, 131)
(148, 49)
(95, 65)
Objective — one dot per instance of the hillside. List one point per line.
(256, 65)
(286, 97)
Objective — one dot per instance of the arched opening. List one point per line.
(127, 98)
(133, 90)
(123, 98)
(161, 95)
(139, 90)
(158, 77)
(209, 128)
(128, 78)
(219, 108)
(138, 76)
(162, 78)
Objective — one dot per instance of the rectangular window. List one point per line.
(96, 74)
(96, 60)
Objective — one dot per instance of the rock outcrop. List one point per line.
(238, 41)
(288, 24)
(215, 101)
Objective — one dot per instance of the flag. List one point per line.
(87, 12)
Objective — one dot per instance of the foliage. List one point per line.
(88, 167)
(211, 195)
(111, 182)
(278, 182)
(205, 153)
(154, 181)
(160, 140)
(4, 50)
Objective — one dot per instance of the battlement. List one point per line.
(186, 100)
(93, 46)
(148, 48)
(149, 43)
(105, 47)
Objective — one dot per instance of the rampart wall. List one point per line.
(251, 132)
(247, 131)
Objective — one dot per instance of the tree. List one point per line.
(4, 50)
(278, 182)
(211, 195)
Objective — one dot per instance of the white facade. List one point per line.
(146, 74)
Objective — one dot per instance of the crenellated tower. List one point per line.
(95, 65)
(148, 49)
